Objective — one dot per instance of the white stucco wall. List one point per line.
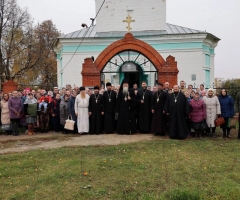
(189, 61)
(189, 51)
(148, 15)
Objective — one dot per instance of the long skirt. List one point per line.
(31, 120)
(83, 120)
(196, 125)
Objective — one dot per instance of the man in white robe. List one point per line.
(81, 110)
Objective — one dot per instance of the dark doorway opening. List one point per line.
(132, 77)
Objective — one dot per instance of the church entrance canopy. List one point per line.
(124, 55)
(130, 65)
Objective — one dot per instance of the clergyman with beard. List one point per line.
(96, 112)
(109, 102)
(177, 109)
(81, 111)
(144, 102)
(125, 109)
(159, 118)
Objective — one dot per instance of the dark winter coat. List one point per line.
(55, 106)
(237, 103)
(227, 106)
(71, 109)
(63, 111)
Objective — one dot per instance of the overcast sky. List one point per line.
(218, 17)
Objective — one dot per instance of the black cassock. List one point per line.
(159, 119)
(109, 103)
(125, 108)
(95, 107)
(178, 112)
(144, 110)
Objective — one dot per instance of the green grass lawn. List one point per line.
(160, 169)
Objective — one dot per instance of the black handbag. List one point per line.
(203, 126)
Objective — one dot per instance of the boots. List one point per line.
(29, 129)
(224, 133)
(213, 131)
(196, 134)
(200, 134)
(228, 132)
(32, 128)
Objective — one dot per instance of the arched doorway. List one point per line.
(130, 65)
(129, 50)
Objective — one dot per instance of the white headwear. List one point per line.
(210, 89)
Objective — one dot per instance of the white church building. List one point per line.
(193, 50)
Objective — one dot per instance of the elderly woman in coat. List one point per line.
(64, 112)
(5, 118)
(15, 108)
(227, 111)
(71, 109)
(213, 111)
(30, 110)
(197, 114)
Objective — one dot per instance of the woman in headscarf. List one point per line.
(30, 110)
(227, 111)
(197, 114)
(212, 111)
(15, 108)
(5, 119)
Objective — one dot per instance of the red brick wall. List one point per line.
(169, 73)
(90, 73)
(9, 86)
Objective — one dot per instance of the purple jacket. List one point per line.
(198, 110)
(15, 104)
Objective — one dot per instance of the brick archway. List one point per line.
(167, 70)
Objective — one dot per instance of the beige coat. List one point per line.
(5, 119)
(212, 109)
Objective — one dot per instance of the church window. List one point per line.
(194, 78)
(207, 77)
(207, 60)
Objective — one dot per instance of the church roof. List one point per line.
(170, 30)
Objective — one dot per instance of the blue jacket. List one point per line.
(227, 106)
(71, 110)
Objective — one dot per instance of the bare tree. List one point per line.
(17, 43)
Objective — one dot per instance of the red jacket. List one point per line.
(47, 99)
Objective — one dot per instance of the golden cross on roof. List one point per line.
(129, 20)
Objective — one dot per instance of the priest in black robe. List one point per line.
(96, 112)
(109, 103)
(177, 109)
(144, 101)
(159, 118)
(125, 108)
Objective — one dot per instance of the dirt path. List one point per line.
(11, 144)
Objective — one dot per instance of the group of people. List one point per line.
(124, 110)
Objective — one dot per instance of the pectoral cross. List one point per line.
(129, 20)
